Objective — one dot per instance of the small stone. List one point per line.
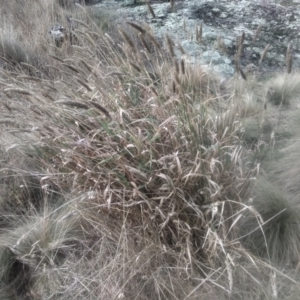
(223, 15)
(216, 10)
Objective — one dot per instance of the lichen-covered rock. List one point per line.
(270, 22)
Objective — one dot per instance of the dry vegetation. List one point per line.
(126, 174)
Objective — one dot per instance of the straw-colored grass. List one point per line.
(125, 174)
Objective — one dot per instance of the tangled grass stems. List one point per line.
(140, 201)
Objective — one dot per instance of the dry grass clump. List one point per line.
(14, 55)
(198, 84)
(140, 176)
(271, 229)
(284, 169)
(20, 184)
(41, 241)
(264, 122)
(12, 51)
(25, 30)
(261, 281)
(24, 35)
(159, 163)
(252, 131)
(283, 89)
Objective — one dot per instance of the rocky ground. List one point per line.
(223, 22)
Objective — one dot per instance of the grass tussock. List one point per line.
(15, 55)
(284, 89)
(271, 229)
(41, 241)
(126, 176)
(286, 169)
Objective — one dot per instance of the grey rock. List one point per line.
(223, 22)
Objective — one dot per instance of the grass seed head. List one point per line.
(150, 10)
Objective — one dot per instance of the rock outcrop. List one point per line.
(209, 30)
